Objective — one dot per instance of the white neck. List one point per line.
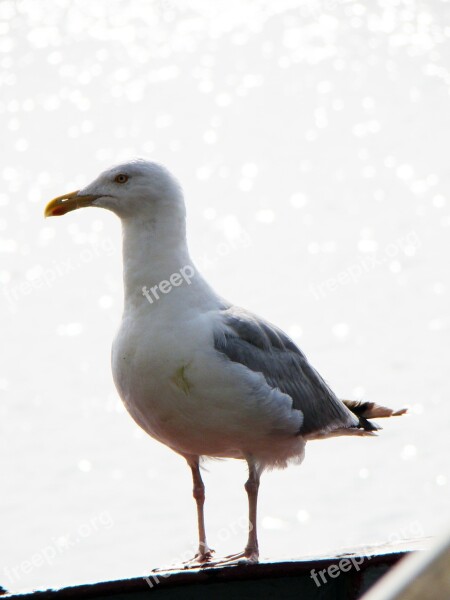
(153, 251)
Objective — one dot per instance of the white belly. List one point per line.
(197, 402)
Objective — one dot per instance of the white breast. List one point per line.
(190, 397)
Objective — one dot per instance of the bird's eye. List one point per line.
(121, 178)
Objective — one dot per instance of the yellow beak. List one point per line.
(64, 204)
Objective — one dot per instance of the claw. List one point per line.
(247, 557)
(199, 560)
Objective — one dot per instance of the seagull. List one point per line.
(197, 373)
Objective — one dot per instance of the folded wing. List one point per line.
(263, 348)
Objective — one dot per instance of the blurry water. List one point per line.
(312, 142)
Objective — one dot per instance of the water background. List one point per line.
(311, 139)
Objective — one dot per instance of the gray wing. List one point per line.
(263, 348)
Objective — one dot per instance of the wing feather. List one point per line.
(263, 348)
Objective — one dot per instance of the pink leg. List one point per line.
(251, 551)
(204, 553)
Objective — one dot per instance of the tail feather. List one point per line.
(370, 410)
(363, 411)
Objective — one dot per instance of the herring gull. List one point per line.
(197, 373)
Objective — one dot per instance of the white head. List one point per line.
(138, 189)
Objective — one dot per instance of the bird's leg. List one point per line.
(204, 553)
(251, 551)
